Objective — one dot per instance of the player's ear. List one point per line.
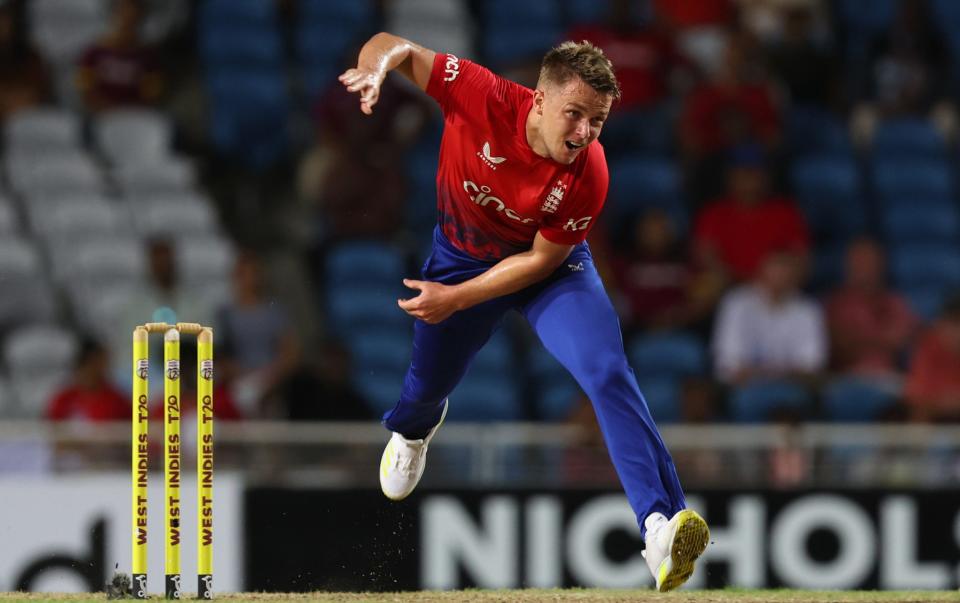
(538, 100)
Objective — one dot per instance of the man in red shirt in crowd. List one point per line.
(521, 180)
(89, 395)
(735, 233)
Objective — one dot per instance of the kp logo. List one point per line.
(578, 224)
(206, 370)
(173, 369)
(143, 369)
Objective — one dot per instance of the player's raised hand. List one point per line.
(435, 303)
(366, 82)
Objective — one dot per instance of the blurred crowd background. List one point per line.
(781, 238)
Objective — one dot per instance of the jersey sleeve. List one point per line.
(577, 215)
(462, 86)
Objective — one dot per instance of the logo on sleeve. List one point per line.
(554, 197)
(487, 157)
(578, 224)
(451, 68)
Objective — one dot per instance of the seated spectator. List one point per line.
(699, 27)
(323, 390)
(258, 350)
(659, 287)
(24, 77)
(801, 54)
(733, 108)
(933, 383)
(647, 63)
(910, 73)
(119, 70)
(870, 325)
(733, 234)
(769, 330)
(89, 395)
(161, 298)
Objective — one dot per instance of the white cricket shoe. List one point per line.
(673, 546)
(403, 460)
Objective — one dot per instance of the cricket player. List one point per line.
(521, 180)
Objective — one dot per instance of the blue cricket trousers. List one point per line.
(573, 317)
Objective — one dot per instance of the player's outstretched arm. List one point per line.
(382, 53)
(437, 301)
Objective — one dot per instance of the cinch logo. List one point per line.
(451, 68)
(491, 161)
(579, 224)
(483, 198)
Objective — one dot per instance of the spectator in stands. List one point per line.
(659, 287)
(801, 54)
(768, 329)
(89, 395)
(119, 70)
(733, 234)
(258, 350)
(933, 383)
(870, 325)
(352, 176)
(910, 73)
(648, 66)
(699, 27)
(24, 77)
(323, 390)
(733, 108)
(164, 298)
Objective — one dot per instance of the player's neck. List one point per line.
(534, 136)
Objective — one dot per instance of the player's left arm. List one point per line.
(436, 301)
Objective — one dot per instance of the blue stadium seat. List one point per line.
(907, 221)
(380, 359)
(667, 355)
(246, 46)
(855, 400)
(813, 130)
(828, 261)
(517, 31)
(354, 306)
(909, 138)
(586, 12)
(485, 398)
(356, 14)
(496, 357)
(925, 266)
(557, 399)
(241, 12)
(758, 401)
(663, 398)
(249, 112)
(641, 182)
(926, 302)
(911, 177)
(365, 263)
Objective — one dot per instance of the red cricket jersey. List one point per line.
(493, 192)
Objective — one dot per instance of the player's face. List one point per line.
(573, 115)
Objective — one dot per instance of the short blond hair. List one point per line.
(581, 59)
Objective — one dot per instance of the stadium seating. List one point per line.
(663, 398)
(167, 175)
(42, 129)
(517, 31)
(817, 131)
(909, 138)
(640, 182)
(762, 400)
(673, 355)
(133, 136)
(909, 221)
(926, 178)
(855, 400)
(925, 265)
(364, 262)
